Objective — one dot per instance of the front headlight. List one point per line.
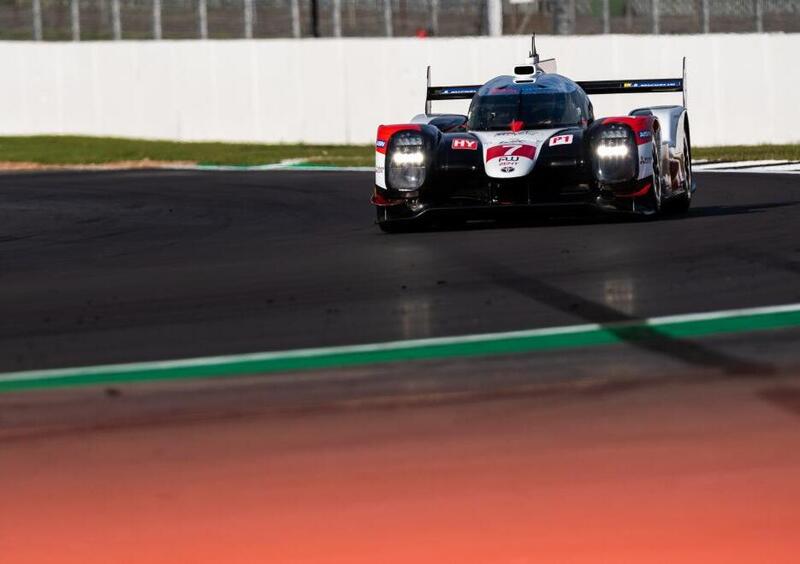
(615, 154)
(406, 168)
(612, 151)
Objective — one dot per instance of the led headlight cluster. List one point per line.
(613, 143)
(615, 154)
(406, 161)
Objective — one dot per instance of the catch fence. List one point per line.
(229, 19)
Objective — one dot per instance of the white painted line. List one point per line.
(760, 167)
(391, 345)
(739, 164)
(752, 171)
(286, 164)
(281, 167)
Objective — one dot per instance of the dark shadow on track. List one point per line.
(543, 218)
(647, 338)
(715, 211)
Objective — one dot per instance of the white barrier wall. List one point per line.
(743, 89)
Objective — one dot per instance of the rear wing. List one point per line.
(637, 86)
(433, 93)
(466, 92)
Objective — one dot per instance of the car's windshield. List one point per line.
(500, 112)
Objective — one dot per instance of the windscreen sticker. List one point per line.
(561, 140)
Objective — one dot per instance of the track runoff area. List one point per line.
(695, 268)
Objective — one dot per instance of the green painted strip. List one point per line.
(516, 342)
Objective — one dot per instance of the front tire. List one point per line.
(683, 202)
(650, 204)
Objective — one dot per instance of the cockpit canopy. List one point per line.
(549, 102)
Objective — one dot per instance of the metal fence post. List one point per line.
(248, 19)
(387, 18)
(564, 17)
(494, 17)
(36, 14)
(606, 16)
(656, 16)
(435, 17)
(296, 18)
(337, 18)
(116, 20)
(759, 5)
(157, 19)
(315, 18)
(202, 19)
(75, 19)
(706, 16)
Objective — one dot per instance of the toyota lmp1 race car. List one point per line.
(531, 140)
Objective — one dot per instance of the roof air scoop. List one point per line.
(525, 73)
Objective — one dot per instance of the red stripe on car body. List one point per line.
(638, 124)
(385, 132)
(510, 150)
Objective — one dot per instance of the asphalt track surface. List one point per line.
(119, 267)
(657, 450)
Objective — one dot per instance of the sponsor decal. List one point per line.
(510, 150)
(465, 144)
(456, 91)
(380, 143)
(561, 140)
(663, 84)
(645, 160)
(379, 170)
(508, 169)
(645, 134)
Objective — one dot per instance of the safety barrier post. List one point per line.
(75, 19)
(157, 19)
(387, 18)
(36, 14)
(295, 18)
(248, 19)
(656, 11)
(202, 19)
(494, 17)
(116, 20)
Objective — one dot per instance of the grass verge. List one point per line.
(80, 150)
(748, 153)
